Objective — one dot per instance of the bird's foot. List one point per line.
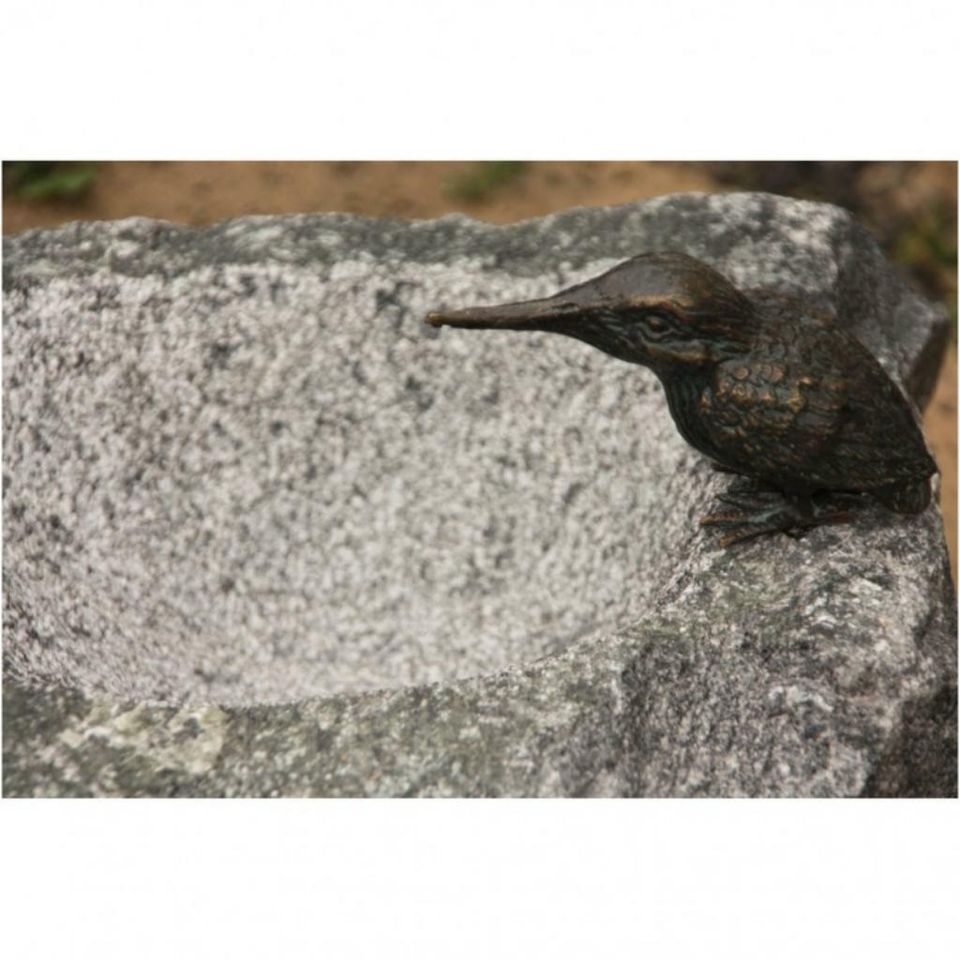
(757, 512)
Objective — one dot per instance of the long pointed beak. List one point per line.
(543, 314)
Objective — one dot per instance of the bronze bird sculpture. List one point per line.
(761, 383)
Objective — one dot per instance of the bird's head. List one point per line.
(662, 310)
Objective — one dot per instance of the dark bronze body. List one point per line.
(760, 383)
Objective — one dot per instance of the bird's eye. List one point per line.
(657, 323)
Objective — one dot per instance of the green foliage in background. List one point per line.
(933, 238)
(483, 179)
(42, 181)
(928, 248)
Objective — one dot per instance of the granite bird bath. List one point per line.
(266, 533)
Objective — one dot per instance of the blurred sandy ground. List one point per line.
(902, 203)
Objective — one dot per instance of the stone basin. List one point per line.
(268, 533)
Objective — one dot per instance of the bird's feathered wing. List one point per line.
(816, 416)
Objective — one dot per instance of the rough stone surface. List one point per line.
(268, 534)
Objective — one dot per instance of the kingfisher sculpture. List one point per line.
(760, 382)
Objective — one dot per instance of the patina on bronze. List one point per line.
(760, 382)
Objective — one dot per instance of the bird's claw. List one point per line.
(745, 523)
(729, 518)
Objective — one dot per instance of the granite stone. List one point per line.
(267, 533)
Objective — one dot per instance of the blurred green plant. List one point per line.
(483, 179)
(43, 181)
(928, 248)
(933, 238)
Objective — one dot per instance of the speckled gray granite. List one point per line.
(266, 533)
